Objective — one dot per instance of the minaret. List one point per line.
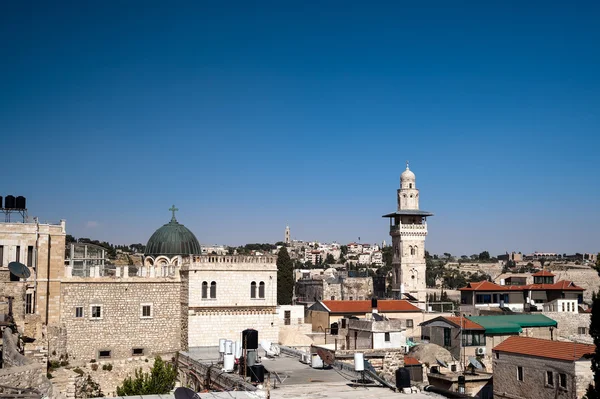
(287, 239)
(408, 228)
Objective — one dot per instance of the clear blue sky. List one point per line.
(250, 115)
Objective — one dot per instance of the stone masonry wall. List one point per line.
(206, 328)
(121, 326)
(506, 384)
(569, 324)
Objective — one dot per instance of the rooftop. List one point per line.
(408, 212)
(559, 350)
(512, 324)
(562, 285)
(466, 323)
(365, 306)
(543, 273)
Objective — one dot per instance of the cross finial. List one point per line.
(173, 209)
(406, 164)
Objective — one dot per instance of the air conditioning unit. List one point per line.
(305, 358)
(480, 351)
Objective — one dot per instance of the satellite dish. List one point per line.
(19, 269)
(475, 363)
(328, 357)
(185, 393)
(441, 363)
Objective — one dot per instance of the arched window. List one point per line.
(204, 290)
(410, 185)
(412, 250)
(261, 289)
(213, 289)
(253, 289)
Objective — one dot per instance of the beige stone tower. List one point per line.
(287, 236)
(408, 228)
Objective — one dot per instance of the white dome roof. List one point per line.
(407, 174)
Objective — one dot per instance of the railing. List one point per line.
(407, 227)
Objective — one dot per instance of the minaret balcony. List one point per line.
(408, 228)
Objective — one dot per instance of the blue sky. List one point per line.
(251, 115)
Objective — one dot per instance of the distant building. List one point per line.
(287, 237)
(550, 369)
(364, 259)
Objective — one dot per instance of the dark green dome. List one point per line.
(172, 239)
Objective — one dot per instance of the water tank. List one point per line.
(238, 349)
(334, 329)
(9, 202)
(229, 347)
(1, 203)
(257, 373)
(251, 358)
(359, 362)
(222, 345)
(250, 339)
(316, 362)
(21, 202)
(402, 378)
(228, 362)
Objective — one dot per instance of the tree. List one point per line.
(329, 259)
(285, 278)
(70, 239)
(344, 249)
(160, 380)
(593, 391)
(484, 256)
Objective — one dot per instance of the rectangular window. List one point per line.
(1, 255)
(333, 297)
(78, 311)
(343, 323)
(287, 317)
(146, 311)
(497, 355)
(519, 373)
(104, 354)
(137, 351)
(563, 306)
(409, 323)
(387, 337)
(96, 311)
(550, 378)
(29, 303)
(582, 330)
(30, 256)
(447, 337)
(483, 298)
(18, 254)
(562, 379)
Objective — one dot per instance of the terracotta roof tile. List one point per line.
(543, 273)
(365, 306)
(466, 323)
(411, 361)
(545, 348)
(563, 285)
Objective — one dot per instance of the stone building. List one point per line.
(550, 369)
(333, 287)
(408, 228)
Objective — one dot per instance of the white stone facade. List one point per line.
(233, 305)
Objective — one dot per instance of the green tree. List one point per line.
(285, 278)
(484, 256)
(593, 391)
(329, 259)
(344, 249)
(160, 380)
(69, 239)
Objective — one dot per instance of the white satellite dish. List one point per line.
(441, 363)
(475, 363)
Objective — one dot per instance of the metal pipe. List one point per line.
(445, 392)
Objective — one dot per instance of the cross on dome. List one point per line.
(173, 209)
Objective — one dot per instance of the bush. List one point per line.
(87, 388)
(64, 363)
(92, 360)
(53, 364)
(94, 367)
(107, 367)
(78, 371)
(49, 376)
(160, 380)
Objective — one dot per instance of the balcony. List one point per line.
(408, 228)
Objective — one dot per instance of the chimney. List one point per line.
(373, 305)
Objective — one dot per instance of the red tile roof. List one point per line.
(545, 348)
(563, 285)
(365, 306)
(466, 323)
(411, 361)
(543, 273)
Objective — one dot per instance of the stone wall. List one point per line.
(16, 290)
(121, 326)
(31, 376)
(506, 384)
(569, 324)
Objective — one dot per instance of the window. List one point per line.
(447, 337)
(146, 311)
(333, 297)
(387, 337)
(137, 352)
(29, 303)
(18, 254)
(483, 298)
(563, 306)
(582, 330)
(519, 373)
(343, 323)
(253, 289)
(30, 256)
(497, 355)
(78, 312)
(562, 379)
(261, 289)
(549, 378)
(1, 255)
(351, 298)
(204, 290)
(473, 338)
(104, 354)
(287, 317)
(96, 311)
(409, 323)
(213, 289)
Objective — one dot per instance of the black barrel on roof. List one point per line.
(1, 202)
(402, 378)
(21, 202)
(9, 202)
(250, 339)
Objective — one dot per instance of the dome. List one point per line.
(407, 174)
(172, 239)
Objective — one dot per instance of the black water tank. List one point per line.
(0, 202)
(373, 303)
(9, 202)
(21, 202)
(402, 378)
(257, 373)
(250, 339)
(334, 328)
